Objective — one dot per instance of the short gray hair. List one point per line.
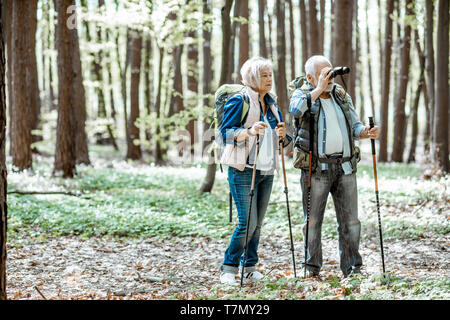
(251, 71)
(312, 62)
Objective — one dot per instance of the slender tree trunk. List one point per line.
(400, 101)
(244, 37)
(429, 53)
(192, 82)
(304, 29)
(79, 102)
(440, 136)
(159, 152)
(280, 74)
(385, 84)
(291, 39)
(3, 170)
(32, 73)
(148, 89)
(322, 25)
(207, 63)
(22, 110)
(314, 29)
(343, 39)
(269, 21)
(133, 149)
(369, 61)
(262, 32)
(65, 153)
(226, 32)
(234, 32)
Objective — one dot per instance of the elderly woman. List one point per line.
(264, 120)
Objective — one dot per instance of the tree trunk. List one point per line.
(226, 32)
(148, 88)
(32, 73)
(208, 72)
(234, 28)
(159, 151)
(65, 152)
(342, 41)
(262, 33)
(304, 29)
(314, 29)
(400, 97)
(22, 109)
(322, 25)
(415, 107)
(369, 62)
(291, 39)
(79, 101)
(134, 150)
(244, 37)
(440, 136)
(280, 74)
(192, 82)
(3, 170)
(429, 54)
(385, 84)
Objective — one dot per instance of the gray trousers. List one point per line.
(344, 191)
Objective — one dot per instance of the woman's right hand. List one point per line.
(258, 128)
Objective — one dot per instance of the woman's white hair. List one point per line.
(251, 71)
(312, 62)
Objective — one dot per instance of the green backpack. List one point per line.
(222, 95)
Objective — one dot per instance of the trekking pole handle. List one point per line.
(371, 125)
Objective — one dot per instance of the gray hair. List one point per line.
(251, 71)
(312, 62)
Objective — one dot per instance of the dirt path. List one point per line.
(74, 268)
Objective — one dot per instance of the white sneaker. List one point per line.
(228, 278)
(253, 276)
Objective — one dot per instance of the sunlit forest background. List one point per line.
(108, 110)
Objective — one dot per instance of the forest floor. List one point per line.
(136, 231)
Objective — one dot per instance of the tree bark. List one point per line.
(385, 84)
(22, 109)
(192, 81)
(415, 106)
(65, 152)
(79, 101)
(369, 61)
(262, 32)
(440, 136)
(208, 72)
(343, 39)
(244, 37)
(280, 74)
(134, 150)
(314, 29)
(429, 64)
(291, 39)
(208, 183)
(3, 170)
(400, 97)
(159, 151)
(305, 32)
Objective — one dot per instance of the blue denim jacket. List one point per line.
(297, 108)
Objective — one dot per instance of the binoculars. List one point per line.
(339, 71)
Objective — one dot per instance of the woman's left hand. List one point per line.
(280, 130)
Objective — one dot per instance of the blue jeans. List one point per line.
(240, 185)
(345, 197)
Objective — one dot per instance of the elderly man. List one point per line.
(335, 127)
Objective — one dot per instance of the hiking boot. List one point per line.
(311, 274)
(253, 276)
(228, 278)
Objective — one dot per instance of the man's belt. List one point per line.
(334, 158)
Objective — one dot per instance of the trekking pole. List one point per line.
(252, 188)
(311, 145)
(371, 124)
(287, 205)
